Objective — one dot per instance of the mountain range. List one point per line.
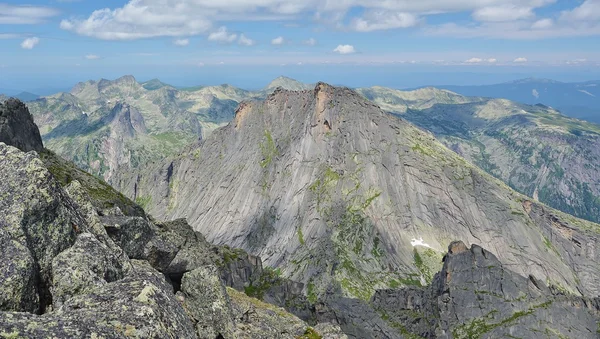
(334, 190)
(351, 206)
(579, 100)
(105, 125)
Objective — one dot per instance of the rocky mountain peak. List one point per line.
(127, 120)
(17, 127)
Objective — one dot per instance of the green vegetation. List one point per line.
(300, 236)
(310, 333)
(101, 194)
(143, 201)
(268, 150)
(476, 328)
(268, 278)
(311, 293)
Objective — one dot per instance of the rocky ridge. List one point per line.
(75, 267)
(339, 194)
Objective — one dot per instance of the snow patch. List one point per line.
(419, 242)
(586, 92)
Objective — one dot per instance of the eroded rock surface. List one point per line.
(17, 127)
(62, 275)
(476, 296)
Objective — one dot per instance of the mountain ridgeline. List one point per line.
(349, 201)
(534, 149)
(336, 192)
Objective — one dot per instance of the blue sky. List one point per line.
(398, 43)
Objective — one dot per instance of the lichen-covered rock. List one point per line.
(141, 305)
(38, 222)
(476, 296)
(84, 266)
(193, 250)
(207, 304)
(139, 238)
(17, 127)
(256, 319)
(102, 196)
(330, 331)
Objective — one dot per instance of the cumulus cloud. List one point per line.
(382, 20)
(181, 42)
(278, 41)
(582, 20)
(502, 13)
(92, 57)
(492, 60)
(310, 42)
(152, 18)
(23, 14)
(589, 10)
(543, 24)
(474, 60)
(30, 43)
(345, 49)
(222, 35)
(520, 60)
(245, 41)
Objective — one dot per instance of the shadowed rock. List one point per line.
(17, 127)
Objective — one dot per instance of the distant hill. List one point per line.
(579, 100)
(26, 96)
(533, 148)
(287, 83)
(154, 84)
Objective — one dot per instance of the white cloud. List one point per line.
(278, 41)
(181, 42)
(222, 35)
(245, 41)
(18, 15)
(310, 42)
(345, 49)
(589, 10)
(176, 18)
(200, 64)
(520, 60)
(382, 20)
(492, 60)
(92, 57)
(543, 24)
(474, 60)
(502, 13)
(30, 43)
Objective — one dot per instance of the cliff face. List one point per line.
(534, 149)
(18, 129)
(336, 192)
(476, 296)
(73, 265)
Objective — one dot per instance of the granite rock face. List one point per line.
(17, 127)
(333, 191)
(73, 267)
(476, 296)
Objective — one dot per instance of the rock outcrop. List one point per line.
(17, 127)
(476, 296)
(335, 192)
(71, 269)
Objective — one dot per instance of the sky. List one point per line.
(48, 45)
